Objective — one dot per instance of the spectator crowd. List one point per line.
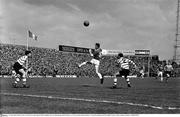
(45, 61)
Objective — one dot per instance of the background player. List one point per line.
(96, 54)
(142, 72)
(160, 72)
(168, 70)
(21, 70)
(123, 63)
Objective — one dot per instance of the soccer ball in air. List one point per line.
(86, 23)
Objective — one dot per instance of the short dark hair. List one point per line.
(98, 44)
(27, 52)
(120, 54)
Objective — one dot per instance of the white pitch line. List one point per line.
(91, 100)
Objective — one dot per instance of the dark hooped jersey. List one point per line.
(160, 68)
(97, 53)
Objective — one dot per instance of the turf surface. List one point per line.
(147, 91)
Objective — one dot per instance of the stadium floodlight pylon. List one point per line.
(176, 57)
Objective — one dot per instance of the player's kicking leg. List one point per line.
(99, 74)
(84, 63)
(96, 63)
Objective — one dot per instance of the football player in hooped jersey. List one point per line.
(21, 70)
(96, 54)
(123, 63)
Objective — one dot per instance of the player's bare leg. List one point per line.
(24, 78)
(17, 79)
(84, 63)
(142, 75)
(128, 81)
(161, 76)
(96, 68)
(99, 74)
(115, 83)
(14, 74)
(115, 80)
(167, 77)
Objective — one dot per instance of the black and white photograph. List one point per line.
(89, 58)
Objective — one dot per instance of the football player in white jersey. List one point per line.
(168, 70)
(123, 63)
(21, 70)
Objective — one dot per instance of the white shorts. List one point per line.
(160, 73)
(96, 62)
(142, 71)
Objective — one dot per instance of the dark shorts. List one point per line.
(17, 67)
(124, 72)
(167, 72)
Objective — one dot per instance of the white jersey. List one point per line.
(22, 60)
(124, 62)
(168, 68)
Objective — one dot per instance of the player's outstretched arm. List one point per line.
(90, 52)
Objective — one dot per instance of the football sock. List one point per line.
(24, 81)
(161, 78)
(127, 80)
(115, 81)
(100, 76)
(17, 80)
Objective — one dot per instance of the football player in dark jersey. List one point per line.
(96, 54)
(160, 72)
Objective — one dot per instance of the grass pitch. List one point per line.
(87, 96)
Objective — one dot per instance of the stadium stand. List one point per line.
(47, 61)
